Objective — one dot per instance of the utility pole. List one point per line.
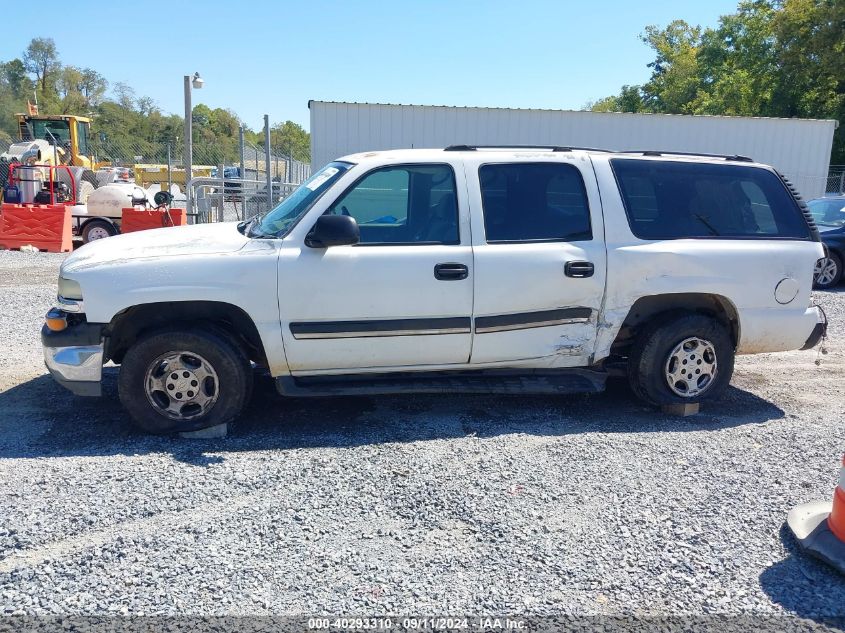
(189, 149)
(267, 161)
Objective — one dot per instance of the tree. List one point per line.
(125, 95)
(201, 115)
(738, 64)
(291, 139)
(675, 79)
(146, 106)
(13, 74)
(41, 59)
(779, 58)
(69, 90)
(93, 86)
(70, 79)
(605, 104)
(124, 124)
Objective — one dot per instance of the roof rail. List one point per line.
(652, 152)
(553, 148)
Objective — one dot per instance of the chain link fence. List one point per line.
(836, 180)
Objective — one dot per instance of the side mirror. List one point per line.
(333, 230)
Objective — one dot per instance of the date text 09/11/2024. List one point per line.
(479, 623)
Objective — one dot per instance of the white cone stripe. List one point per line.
(842, 479)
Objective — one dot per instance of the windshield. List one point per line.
(46, 130)
(828, 211)
(283, 218)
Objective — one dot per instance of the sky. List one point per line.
(270, 57)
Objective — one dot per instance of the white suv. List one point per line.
(466, 269)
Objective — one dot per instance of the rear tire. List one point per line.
(184, 380)
(96, 230)
(681, 358)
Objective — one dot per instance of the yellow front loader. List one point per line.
(61, 139)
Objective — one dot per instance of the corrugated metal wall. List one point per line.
(799, 148)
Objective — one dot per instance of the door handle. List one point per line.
(579, 269)
(450, 272)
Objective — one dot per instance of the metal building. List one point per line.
(800, 148)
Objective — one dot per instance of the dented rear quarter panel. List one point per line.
(743, 271)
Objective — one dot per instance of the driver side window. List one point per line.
(404, 204)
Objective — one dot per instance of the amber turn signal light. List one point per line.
(56, 321)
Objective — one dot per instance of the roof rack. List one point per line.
(651, 152)
(553, 148)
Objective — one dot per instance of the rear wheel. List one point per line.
(184, 380)
(681, 358)
(828, 271)
(97, 230)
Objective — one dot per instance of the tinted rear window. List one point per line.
(668, 200)
(534, 202)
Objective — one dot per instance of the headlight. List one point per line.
(69, 289)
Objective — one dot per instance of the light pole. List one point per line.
(197, 82)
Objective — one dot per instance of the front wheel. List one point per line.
(681, 358)
(828, 271)
(184, 380)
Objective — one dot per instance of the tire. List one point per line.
(146, 372)
(97, 229)
(828, 271)
(658, 349)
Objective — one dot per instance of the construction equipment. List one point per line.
(57, 140)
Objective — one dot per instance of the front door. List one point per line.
(402, 297)
(539, 261)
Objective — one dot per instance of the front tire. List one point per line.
(681, 358)
(184, 380)
(828, 271)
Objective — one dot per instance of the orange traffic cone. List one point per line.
(819, 526)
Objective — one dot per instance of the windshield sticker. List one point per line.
(320, 178)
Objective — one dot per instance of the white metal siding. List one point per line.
(799, 148)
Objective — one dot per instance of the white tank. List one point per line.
(110, 200)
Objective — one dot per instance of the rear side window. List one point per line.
(534, 202)
(669, 200)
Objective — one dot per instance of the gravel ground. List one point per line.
(416, 505)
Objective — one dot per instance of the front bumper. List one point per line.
(74, 357)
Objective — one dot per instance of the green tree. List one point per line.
(125, 125)
(42, 60)
(291, 139)
(93, 87)
(675, 79)
(629, 99)
(70, 92)
(124, 94)
(780, 58)
(13, 75)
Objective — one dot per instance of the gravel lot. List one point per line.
(415, 505)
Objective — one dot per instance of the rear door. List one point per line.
(539, 259)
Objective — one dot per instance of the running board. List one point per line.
(560, 381)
